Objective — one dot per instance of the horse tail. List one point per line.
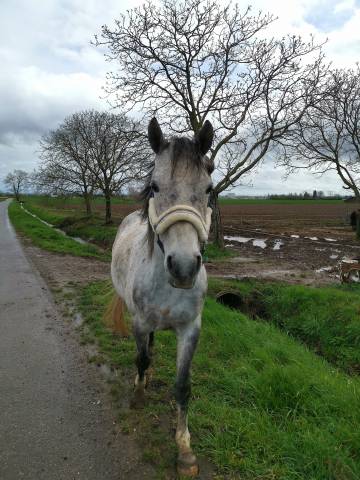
(114, 316)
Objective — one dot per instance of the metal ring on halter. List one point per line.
(180, 213)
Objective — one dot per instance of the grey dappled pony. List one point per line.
(157, 266)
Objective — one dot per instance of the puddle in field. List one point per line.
(295, 236)
(259, 243)
(312, 238)
(278, 244)
(330, 239)
(324, 269)
(237, 239)
(333, 257)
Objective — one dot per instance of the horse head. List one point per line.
(178, 196)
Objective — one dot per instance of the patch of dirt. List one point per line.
(59, 270)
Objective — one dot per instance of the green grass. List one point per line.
(326, 319)
(46, 237)
(51, 215)
(214, 253)
(91, 229)
(264, 407)
(267, 201)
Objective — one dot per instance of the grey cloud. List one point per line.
(48, 69)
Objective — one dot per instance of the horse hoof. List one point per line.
(138, 400)
(187, 465)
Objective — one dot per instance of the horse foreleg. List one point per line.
(187, 341)
(142, 362)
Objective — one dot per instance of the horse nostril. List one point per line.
(198, 260)
(169, 262)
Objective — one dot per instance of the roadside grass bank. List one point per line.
(47, 238)
(326, 319)
(89, 228)
(263, 406)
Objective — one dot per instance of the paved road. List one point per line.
(54, 421)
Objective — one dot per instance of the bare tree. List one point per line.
(17, 181)
(65, 166)
(90, 151)
(117, 151)
(191, 61)
(328, 135)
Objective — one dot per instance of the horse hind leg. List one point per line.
(143, 360)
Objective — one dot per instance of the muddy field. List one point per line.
(294, 242)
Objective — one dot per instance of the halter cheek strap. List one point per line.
(180, 213)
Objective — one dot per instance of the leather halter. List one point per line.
(180, 213)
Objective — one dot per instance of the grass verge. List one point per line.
(91, 229)
(47, 238)
(327, 319)
(263, 406)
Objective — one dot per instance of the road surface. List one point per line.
(55, 422)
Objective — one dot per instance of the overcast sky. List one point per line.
(50, 70)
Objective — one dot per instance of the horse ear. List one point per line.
(205, 137)
(155, 135)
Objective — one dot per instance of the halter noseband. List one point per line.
(180, 213)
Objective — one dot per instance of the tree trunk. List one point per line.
(216, 222)
(87, 203)
(358, 224)
(108, 219)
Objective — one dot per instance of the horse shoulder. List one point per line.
(129, 240)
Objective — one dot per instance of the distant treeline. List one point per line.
(306, 196)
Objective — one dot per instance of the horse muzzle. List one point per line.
(183, 269)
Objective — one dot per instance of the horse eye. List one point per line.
(209, 189)
(154, 187)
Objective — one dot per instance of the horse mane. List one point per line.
(182, 150)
